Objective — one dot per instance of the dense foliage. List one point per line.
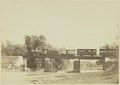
(113, 62)
(10, 49)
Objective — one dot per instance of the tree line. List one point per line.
(32, 42)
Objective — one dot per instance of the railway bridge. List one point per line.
(87, 54)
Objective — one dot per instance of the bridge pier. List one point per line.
(103, 60)
(47, 65)
(77, 66)
(37, 64)
(51, 65)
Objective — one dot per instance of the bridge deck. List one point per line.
(94, 57)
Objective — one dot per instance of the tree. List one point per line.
(2, 49)
(18, 49)
(10, 49)
(34, 42)
(28, 43)
(113, 59)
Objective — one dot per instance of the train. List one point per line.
(76, 52)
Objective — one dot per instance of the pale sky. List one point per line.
(65, 23)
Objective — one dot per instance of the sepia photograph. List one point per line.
(60, 42)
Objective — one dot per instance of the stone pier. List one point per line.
(47, 65)
(77, 66)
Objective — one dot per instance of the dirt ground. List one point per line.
(57, 78)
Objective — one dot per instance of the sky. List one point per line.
(65, 23)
